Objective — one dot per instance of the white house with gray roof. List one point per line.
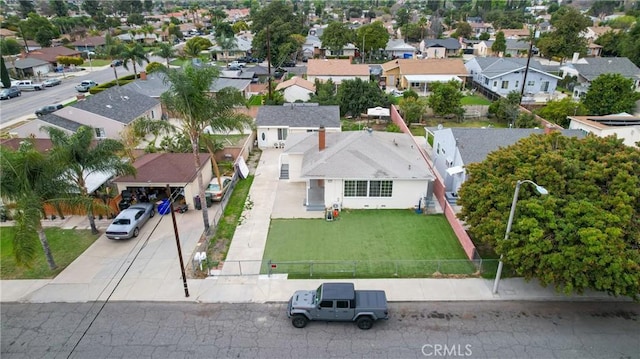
(503, 75)
(358, 169)
(274, 124)
(454, 148)
(588, 69)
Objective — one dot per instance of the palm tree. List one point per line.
(81, 156)
(145, 125)
(134, 53)
(189, 98)
(226, 44)
(191, 49)
(28, 178)
(166, 51)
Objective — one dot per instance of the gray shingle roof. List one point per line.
(475, 144)
(496, 66)
(448, 43)
(122, 104)
(603, 65)
(360, 155)
(61, 122)
(299, 115)
(153, 86)
(29, 62)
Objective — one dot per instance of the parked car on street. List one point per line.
(10, 92)
(214, 188)
(127, 224)
(86, 85)
(29, 85)
(116, 63)
(48, 109)
(52, 82)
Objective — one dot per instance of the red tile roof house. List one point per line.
(335, 70)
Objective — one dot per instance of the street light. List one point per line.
(543, 191)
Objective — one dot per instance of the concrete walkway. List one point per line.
(147, 268)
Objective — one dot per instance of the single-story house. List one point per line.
(439, 48)
(155, 170)
(503, 75)
(153, 84)
(454, 148)
(31, 67)
(296, 89)
(336, 70)
(623, 125)
(49, 54)
(241, 47)
(274, 124)
(588, 69)
(92, 43)
(400, 49)
(417, 74)
(357, 169)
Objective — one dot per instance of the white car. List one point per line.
(128, 223)
(214, 188)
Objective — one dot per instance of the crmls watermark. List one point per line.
(446, 350)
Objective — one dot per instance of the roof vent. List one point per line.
(109, 106)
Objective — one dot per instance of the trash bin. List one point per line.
(209, 199)
(197, 203)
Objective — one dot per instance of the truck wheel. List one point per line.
(365, 323)
(299, 321)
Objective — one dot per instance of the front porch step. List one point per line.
(284, 171)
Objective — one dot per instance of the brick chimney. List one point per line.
(143, 75)
(321, 139)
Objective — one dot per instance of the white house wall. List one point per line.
(295, 167)
(297, 93)
(630, 134)
(406, 194)
(446, 155)
(268, 136)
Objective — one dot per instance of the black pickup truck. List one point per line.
(338, 302)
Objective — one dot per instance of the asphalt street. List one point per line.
(415, 330)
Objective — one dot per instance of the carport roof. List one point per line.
(165, 168)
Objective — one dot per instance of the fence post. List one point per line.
(269, 266)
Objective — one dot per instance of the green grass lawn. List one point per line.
(475, 100)
(256, 100)
(384, 243)
(66, 245)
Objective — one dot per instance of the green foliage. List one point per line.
(336, 36)
(565, 39)
(445, 99)
(500, 43)
(154, 67)
(392, 127)
(526, 120)
(584, 234)
(135, 54)
(463, 29)
(412, 109)
(166, 51)
(484, 36)
(374, 36)
(9, 47)
(610, 94)
(4, 74)
(69, 60)
(356, 96)
(505, 109)
(557, 111)
(281, 22)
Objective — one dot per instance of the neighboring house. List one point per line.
(6, 33)
(454, 148)
(155, 170)
(144, 38)
(623, 125)
(502, 75)
(516, 34)
(241, 47)
(479, 28)
(588, 69)
(592, 33)
(399, 49)
(417, 74)
(357, 169)
(594, 50)
(335, 70)
(49, 54)
(347, 50)
(275, 123)
(31, 67)
(439, 48)
(515, 48)
(108, 112)
(153, 85)
(93, 44)
(296, 89)
(312, 46)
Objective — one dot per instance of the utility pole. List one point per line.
(269, 62)
(364, 36)
(526, 69)
(175, 231)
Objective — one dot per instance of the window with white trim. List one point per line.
(368, 188)
(380, 188)
(282, 134)
(100, 133)
(505, 84)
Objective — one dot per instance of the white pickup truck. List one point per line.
(237, 64)
(28, 85)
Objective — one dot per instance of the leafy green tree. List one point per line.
(356, 96)
(326, 93)
(463, 29)
(166, 51)
(526, 120)
(134, 53)
(146, 126)
(412, 109)
(39, 28)
(609, 94)
(374, 36)
(610, 42)
(224, 29)
(239, 26)
(499, 44)
(336, 36)
(484, 36)
(446, 99)
(28, 178)
(402, 17)
(59, 7)
(506, 109)
(558, 111)
(4, 74)
(566, 39)
(26, 7)
(154, 67)
(80, 155)
(279, 20)
(584, 234)
(630, 46)
(10, 47)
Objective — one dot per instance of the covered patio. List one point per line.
(420, 83)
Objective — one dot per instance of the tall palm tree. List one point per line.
(189, 99)
(81, 156)
(226, 44)
(134, 53)
(28, 179)
(144, 126)
(191, 49)
(166, 51)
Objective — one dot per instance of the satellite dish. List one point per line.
(440, 127)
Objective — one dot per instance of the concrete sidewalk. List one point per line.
(147, 269)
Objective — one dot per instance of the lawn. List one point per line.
(475, 100)
(66, 245)
(374, 243)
